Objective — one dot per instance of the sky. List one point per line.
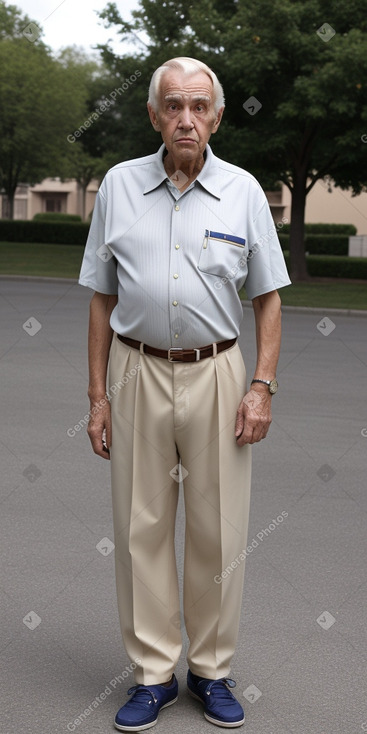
(69, 22)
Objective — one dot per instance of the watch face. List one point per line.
(273, 386)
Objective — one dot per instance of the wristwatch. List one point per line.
(272, 384)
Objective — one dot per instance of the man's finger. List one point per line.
(97, 436)
(239, 423)
(108, 434)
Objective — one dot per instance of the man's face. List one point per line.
(185, 117)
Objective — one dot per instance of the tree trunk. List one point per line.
(83, 184)
(84, 197)
(10, 203)
(298, 268)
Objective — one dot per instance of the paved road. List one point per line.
(301, 662)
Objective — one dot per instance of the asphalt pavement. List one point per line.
(301, 660)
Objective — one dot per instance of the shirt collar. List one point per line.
(208, 177)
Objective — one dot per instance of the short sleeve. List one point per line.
(267, 270)
(98, 270)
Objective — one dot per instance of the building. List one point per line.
(51, 195)
(325, 203)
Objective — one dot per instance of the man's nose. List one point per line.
(186, 118)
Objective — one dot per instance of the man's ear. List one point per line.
(218, 120)
(153, 118)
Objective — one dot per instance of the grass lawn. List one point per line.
(63, 261)
(29, 258)
(316, 294)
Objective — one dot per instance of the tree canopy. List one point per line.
(304, 62)
(42, 100)
(12, 22)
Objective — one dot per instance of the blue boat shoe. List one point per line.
(220, 705)
(141, 711)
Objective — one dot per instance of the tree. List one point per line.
(42, 100)
(306, 65)
(12, 22)
(84, 168)
(84, 160)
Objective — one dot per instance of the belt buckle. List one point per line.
(176, 350)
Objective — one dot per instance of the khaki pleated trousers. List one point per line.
(164, 415)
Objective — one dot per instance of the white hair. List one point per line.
(188, 66)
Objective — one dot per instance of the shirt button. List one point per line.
(174, 303)
(177, 208)
(177, 247)
(175, 276)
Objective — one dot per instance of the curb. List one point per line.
(245, 304)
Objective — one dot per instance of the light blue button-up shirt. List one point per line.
(176, 260)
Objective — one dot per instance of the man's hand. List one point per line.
(253, 416)
(254, 413)
(99, 428)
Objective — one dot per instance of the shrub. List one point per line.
(320, 244)
(53, 233)
(337, 267)
(338, 229)
(56, 217)
(324, 266)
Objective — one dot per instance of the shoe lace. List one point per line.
(142, 695)
(221, 689)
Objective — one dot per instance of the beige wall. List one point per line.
(32, 200)
(68, 192)
(337, 207)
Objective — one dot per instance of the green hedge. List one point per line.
(320, 244)
(323, 266)
(346, 229)
(56, 217)
(52, 233)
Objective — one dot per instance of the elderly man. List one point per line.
(174, 236)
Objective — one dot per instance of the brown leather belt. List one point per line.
(176, 354)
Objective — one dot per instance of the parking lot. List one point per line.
(301, 659)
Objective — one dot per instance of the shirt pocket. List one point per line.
(221, 254)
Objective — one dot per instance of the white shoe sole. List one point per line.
(217, 722)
